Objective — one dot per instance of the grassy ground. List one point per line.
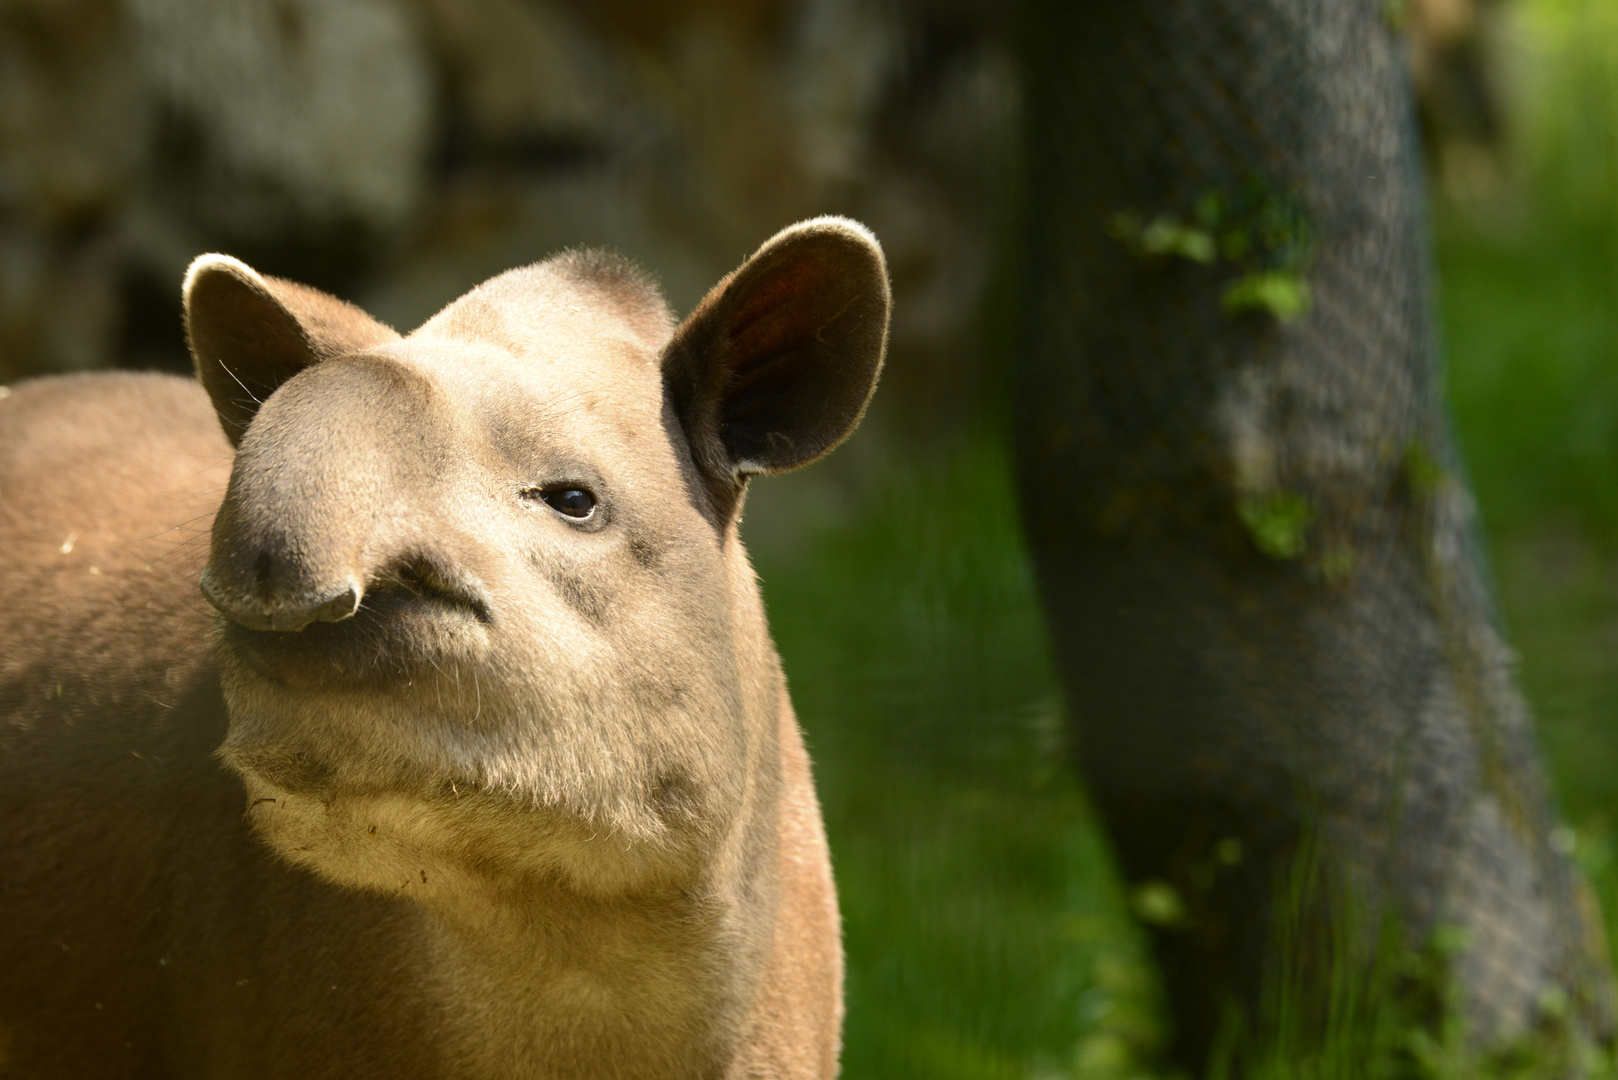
(986, 931)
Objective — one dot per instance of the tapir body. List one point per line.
(477, 650)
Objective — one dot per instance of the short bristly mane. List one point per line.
(617, 277)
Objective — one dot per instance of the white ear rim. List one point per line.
(829, 223)
(824, 223)
(214, 261)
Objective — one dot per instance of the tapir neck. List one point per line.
(555, 948)
(551, 984)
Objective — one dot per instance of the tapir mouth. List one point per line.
(410, 619)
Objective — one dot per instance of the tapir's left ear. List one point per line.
(249, 333)
(777, 363)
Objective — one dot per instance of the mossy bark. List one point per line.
(1258, 554)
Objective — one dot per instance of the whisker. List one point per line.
(241, 384)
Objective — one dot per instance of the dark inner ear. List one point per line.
(249, 334)
(777, 363)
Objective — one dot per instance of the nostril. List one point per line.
(342, 605)
(424, 579)
(212, 593)
(263, 569)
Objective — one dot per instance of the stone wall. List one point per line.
(399, 151)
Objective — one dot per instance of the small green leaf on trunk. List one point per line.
(1336, 563)
(1163, 235)
(1277, 521)
(1286, 296)
(1423, 471)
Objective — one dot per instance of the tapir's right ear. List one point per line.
(250, 333)
(776, 365)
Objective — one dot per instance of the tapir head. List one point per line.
(499, 555)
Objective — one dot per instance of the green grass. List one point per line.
(986, 934)
(1532, 326)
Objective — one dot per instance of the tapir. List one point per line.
(381, 706)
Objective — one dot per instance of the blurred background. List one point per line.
(397, 152)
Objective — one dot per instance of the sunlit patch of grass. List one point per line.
(986, 932)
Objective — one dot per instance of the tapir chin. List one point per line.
(478, 651)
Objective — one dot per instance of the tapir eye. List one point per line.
(567, 499)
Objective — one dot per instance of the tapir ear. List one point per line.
(250, 333)
(776, 365)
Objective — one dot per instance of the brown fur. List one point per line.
(529, 796)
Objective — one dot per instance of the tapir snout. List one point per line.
(316, 515)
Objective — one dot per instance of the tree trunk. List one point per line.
(1259, 557)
